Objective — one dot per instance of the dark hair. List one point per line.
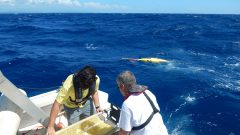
(85, 77)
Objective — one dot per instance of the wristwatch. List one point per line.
(97, 107)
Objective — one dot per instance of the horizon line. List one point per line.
(115, 13)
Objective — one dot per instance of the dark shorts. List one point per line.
(76, 114)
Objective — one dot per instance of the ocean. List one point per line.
(198, 90)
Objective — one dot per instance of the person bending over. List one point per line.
(76, 95)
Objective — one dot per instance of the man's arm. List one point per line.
(54, 112)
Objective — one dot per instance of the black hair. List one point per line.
(85, 77)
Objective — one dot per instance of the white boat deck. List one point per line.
(38, 107)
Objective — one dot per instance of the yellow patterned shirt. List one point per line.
(67, 90)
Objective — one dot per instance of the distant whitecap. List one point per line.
(91, 47)
(190, 98)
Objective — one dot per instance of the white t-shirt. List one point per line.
(136, 110)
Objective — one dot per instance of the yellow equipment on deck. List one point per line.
(92, 125)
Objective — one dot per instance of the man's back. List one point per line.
(136, 110)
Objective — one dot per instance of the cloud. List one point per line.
(52, 2)
(8, 2)
(97, 5)
(76, 3)
(69, 2)
(64, 4)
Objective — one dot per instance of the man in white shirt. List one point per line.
(140, 113)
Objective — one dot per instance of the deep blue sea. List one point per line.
(198, 90)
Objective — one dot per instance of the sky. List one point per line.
(121, 6)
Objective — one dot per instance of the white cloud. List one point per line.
(51, 2)
(9, 2)
(33, 2)
(97, 5)
(67, 3)
(93, 5)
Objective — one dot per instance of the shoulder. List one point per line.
(68, 82)
(150, 94)
(131, 102)
(153, 98)
(69, 78)
(134, 101)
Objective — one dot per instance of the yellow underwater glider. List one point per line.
(151, 60)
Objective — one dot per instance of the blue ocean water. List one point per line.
(198, 90)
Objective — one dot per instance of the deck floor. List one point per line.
(27, 120)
